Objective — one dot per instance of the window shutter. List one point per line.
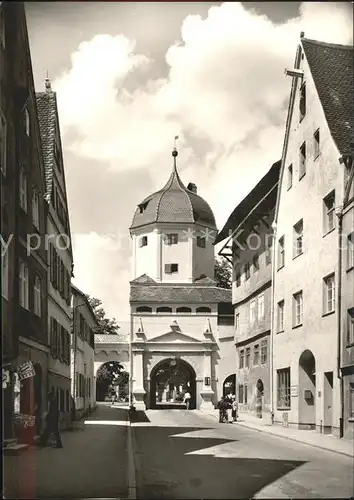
(51, 335)
(55, 268)
(51, 262)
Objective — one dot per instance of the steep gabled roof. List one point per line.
(331, 66)
(270, 179)
(144, 279)
(161, 293)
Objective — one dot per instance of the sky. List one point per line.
(131, 76)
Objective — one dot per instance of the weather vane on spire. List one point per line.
(175, 152)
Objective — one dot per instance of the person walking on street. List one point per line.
(187, 400)
(234, 410)
(52, 422)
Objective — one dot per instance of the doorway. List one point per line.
(327, 402)
(169, 381)
(307, 390)
(229, 385)
(38, 381)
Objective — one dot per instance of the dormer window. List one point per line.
(143, 241)
(201, 241)
(203, 310)
(171, 239)
(163, 309)
(142, 207)
(171, 268)
(302, 103)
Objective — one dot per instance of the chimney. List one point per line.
(192, 187)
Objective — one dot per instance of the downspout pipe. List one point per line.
(339, 316)
(272, 322)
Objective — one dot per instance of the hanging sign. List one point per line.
(25, 370)
(25, 419)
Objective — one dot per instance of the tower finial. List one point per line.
(175, 152)
(47, 84)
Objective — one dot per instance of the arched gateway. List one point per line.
(170, 379)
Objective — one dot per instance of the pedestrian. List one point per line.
(52, 422)
(220, 407)
(187, 400)
(228, 409)
(234, 410)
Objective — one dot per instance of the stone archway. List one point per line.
(108, 385)
(170, 379)
(307, 390)
(229, 385)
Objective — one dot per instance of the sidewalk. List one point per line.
(310, 438)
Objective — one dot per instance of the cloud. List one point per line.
(102, 272)
(224, 93)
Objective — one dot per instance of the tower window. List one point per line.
(142, 207)
(163, 309)
(201, 241)
(316, 144)
(183, 310)
(171, 239)
(143, 241)
(146, 309)
(203, 310)
(171, 268)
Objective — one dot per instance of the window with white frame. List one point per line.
(248, 357)
(3, 143)
(256, 355)
(35, 208)
(26, 119)
(350, 250)
(247, 271)
(37, 296)
(252, 311)
(269, 246)
(302, 160)
(171, 239)
(264, 351)
(290, 176)
(237, 321)
(297, 309)
(255, 263)
(281, 316)
(350, 329)
(329, 294)
(298, 238)
(302, 101)
(143, 241)
(261, 305)
(201, 241)
(23, 190)
(241, 359)
(316, 144)
(281, 252)
(23, 292)
(283, 386)
(329, 212)
(5, 273)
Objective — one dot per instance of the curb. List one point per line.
(290, 438)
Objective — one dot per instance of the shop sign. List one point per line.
(294, 391)
(25, 419)
(25, 370)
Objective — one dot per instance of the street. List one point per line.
(175, 454)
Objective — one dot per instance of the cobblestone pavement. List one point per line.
(185, 454)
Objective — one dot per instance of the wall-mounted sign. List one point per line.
(24, 419)
(294, 391)
(26, 370)
(207, 381)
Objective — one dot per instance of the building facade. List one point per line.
(346, 249)
(8, 172)
(180, 320)
(305, 336)
(60, 253)
(249, 236)
(83, 384)
(28, 325)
